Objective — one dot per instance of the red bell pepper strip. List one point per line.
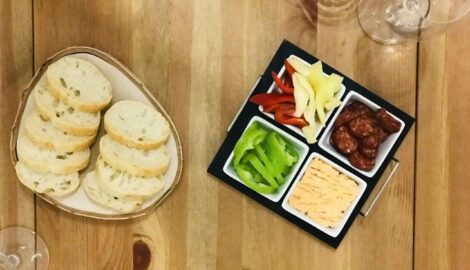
(281, 85)
(289, 68)
(284, 116)
(267, 99)
(288, 82)
(273, 108)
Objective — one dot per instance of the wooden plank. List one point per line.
(16, 67)
(200, 58)
(442, 213)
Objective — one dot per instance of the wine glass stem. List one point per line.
(9, 262)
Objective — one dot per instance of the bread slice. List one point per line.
(122, 184)
(49, 183)
(136, 124)
(46, 160)
(79, 84)
(67, 118)
(46, 135)
(148, 162)
(101, 197)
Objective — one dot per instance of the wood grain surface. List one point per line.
(199, 58)
(16, 70)
(442, 219)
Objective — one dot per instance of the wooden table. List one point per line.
(200, 58)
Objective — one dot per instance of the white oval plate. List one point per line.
(125, 86)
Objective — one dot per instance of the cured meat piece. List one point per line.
(363, 126)
(369, 152)
(371, 141)
(383, 135)
(386, 121)
(344, 141)
(361, 162)
(345, 117)
(362, 109)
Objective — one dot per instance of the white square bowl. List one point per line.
(273, 87)
(333, 232)
(301, 148)
(384, 147)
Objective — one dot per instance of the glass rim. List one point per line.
(425, 17)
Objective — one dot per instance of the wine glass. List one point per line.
(21, 248)
(396, 21)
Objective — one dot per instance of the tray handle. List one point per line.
(383, 182)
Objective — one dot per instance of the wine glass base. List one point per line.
(371, 16)
(24, 249)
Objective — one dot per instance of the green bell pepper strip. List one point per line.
(291, 154)
(276, 147)
(256, 163)
(269, 165)
(278, 163)
(248, 176)
(254, 135)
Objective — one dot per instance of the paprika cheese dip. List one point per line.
(324, 195)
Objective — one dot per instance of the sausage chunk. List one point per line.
(345, 116)
(361, 162)
(368, 152)
(372, 141)
(386, 121)
(363, 126)
(344, 141)
(383, 135)
(362, 109)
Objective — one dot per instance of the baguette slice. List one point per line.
(67, 118)
(49, 183)
(136, 124)
(79, 83)
(45, 160)
(101, 197)
(122, 184)
(46, 135)
(134, 161)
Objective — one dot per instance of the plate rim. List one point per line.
(14, 130)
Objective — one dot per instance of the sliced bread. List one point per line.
(136, 124)
(79, 83)
(46, 160)
(49, 183)
(101, 197)
(65, 117)
(139, 162)
(43, 133)
(122, 184)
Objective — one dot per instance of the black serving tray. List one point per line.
(250, 110)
